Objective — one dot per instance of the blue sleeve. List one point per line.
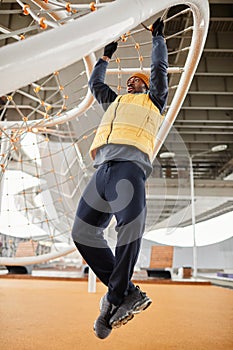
(101, 91)
(158, 79)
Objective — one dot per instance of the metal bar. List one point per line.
(89, 62)
(30, 107)
(36, 18)
(31, 97)
(178, 51)
(198, 140)
(78, 6)
(219, 50)
(170, 70)
(36, 259)
(204, 127)
(14, 34)
(9, 12)
(204, 121)
(210, 92)
(61, 43)
(210, 74)
(223, 19)
(177, 14)
(9, 33)
(210, 108)
(207, 132)
(45, 88)
(188, 29)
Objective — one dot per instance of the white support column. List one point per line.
(193, 218)
(91, 281)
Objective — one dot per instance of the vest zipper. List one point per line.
(146, 120)
(118, 102)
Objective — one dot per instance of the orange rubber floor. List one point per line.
(58, 315)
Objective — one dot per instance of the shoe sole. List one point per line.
(138, 308)
(97, 335)
(141, 307)
(121, 322)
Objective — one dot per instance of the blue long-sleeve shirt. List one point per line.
(158, 91)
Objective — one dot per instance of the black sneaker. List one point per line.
(133, 303)
(102, 327)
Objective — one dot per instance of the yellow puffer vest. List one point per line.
(132, 119)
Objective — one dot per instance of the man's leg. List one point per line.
(92, 217)
(126, 195)
(131, 216)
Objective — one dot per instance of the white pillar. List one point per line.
(91, 281)
(193, 218)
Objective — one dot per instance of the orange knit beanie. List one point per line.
(144, 77)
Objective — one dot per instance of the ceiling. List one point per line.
(204, 121)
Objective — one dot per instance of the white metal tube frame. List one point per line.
(193, 217)
(68, 48)
(29, 260)
(86, 103)
(23, 56)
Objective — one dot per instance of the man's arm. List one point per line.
(159, 63)
(101, 91)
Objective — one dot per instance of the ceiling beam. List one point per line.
(215, 74)
(221, 2)
(219, 50)
(206, 121)
(219, 19)
(173, 189)
(205, 127)
(210, 108)
(210, 92)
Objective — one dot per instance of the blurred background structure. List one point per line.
(47, 126)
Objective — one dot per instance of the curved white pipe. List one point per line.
(60, 47)
(83, 106)
(29, 260)
(89, 62)
(170, 70)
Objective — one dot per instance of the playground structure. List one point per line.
(45, 139)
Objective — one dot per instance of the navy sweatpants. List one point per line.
(116, 188)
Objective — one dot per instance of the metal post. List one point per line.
(193, 218)
(91, 281)
(217, 148)
(4, 146)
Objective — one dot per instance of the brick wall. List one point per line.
(161, 256)
(26, 249)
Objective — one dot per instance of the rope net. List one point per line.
(44, 160)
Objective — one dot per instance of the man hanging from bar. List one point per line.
(122, 151)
